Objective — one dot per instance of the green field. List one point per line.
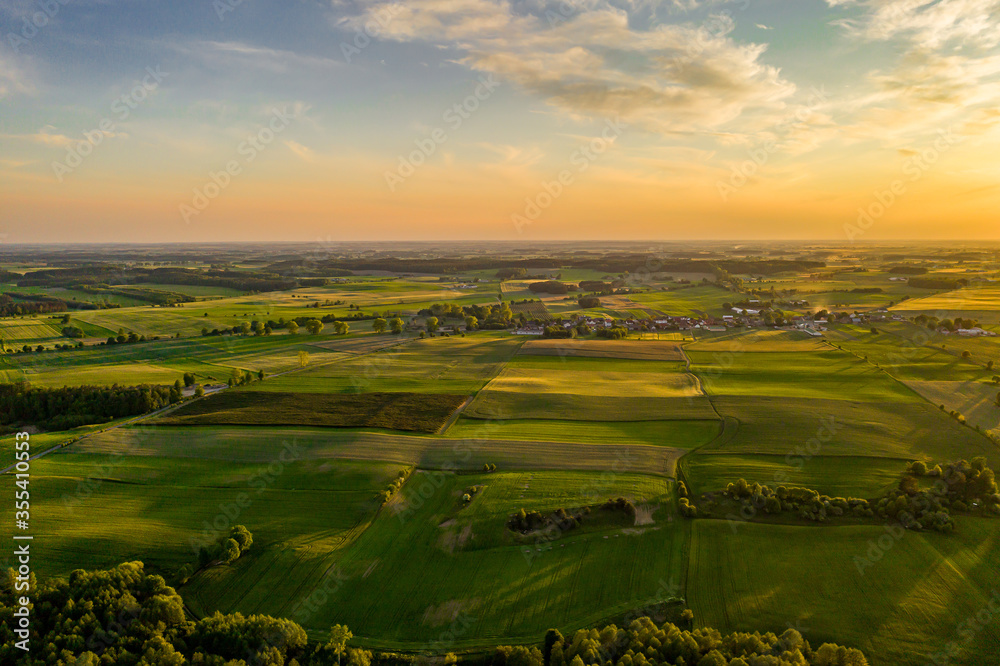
(902, 609)
(677, 434)
(836, 476)
(461, 561)
(827, 375)
(439, 365)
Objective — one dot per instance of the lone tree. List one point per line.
(230, 551)
(341, 327)
(303, 359)
(314, 326)
(188, 379)
(396, 325)
(293, 328)
(432, 324)
(379, 325)
(339, 635)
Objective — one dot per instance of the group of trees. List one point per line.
(12, 306)
(69, 407)
(620, 505)
(808, 503)
(227, 549)
(936, 283)
(958, 486)
(127, 617)
(952, 325)
(551, 287)
(526, 522)
(613, 333)
(644, 643)
(395, 485)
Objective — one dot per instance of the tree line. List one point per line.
(69, 407)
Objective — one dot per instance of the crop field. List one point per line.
(120, 507)
(647, 350)
(531, 309)
(910, 352)
(420, 412)
(689, 301)
(830, 375)
(262, 444)
(738, 341)
(433, 365)
(906, 605)
(19, 331)
(978, 402)
(461, 561)
(913, 430)
(677, 434)
(591, 389)
(211, 359)
(968, 299)
(836, 476)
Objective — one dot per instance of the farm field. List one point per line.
(915, 430)
(651, 350)
(461, 561)
(211, 359)
(982, 303)
(121, 507)
(976, 401)
(261, 444)
(438, 365)
(836, 476)
(830, 375)
(688, 301)
(902, 608)
(756, 340)
(677, 434)
(910, 352)
(420, 412)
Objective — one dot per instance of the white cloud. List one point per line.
(592, 63)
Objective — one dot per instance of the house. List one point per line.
(975, 332)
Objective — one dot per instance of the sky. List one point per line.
(310, 120)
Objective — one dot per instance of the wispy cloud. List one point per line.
(594, 63)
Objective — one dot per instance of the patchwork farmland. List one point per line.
(419, 477)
